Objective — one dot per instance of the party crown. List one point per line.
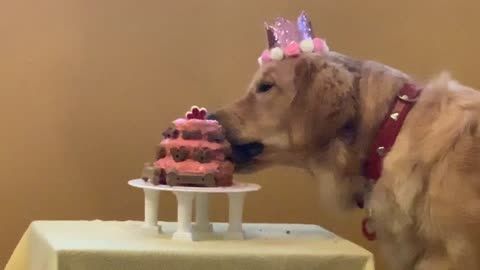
(285, 39)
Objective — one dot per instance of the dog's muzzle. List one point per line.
(241, 154)
(244, 153)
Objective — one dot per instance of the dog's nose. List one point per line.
(244, 153)
(212, 116)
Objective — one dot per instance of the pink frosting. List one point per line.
(169, 143)
(197, 124)
(217, 166)
(188, 166)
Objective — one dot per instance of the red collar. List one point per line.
(388, 132)
(385, 138)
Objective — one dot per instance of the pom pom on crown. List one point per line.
(285, 39)
(196, 113)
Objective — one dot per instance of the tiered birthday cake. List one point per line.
(192, 153)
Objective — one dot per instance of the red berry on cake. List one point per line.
(196, 113)
(203, 113)
(195, 110)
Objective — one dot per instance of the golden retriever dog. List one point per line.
(321, 113)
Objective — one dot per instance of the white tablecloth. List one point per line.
(115, 245)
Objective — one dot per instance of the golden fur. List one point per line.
(321, 115)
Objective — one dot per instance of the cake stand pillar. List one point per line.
(202, 222)
(151, 208)
(235, 216)
(184, 216)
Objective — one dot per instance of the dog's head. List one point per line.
(293, 109)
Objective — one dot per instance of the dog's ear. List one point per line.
(305, 72)
(326, 99)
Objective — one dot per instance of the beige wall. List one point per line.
(86, 87)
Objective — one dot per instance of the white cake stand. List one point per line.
(185, 195)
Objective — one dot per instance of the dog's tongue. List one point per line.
(244, 153)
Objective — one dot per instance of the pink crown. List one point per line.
(285, 39)
(196, 113)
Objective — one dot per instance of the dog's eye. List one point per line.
(264, 87)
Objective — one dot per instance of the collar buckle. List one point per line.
(406, 98)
